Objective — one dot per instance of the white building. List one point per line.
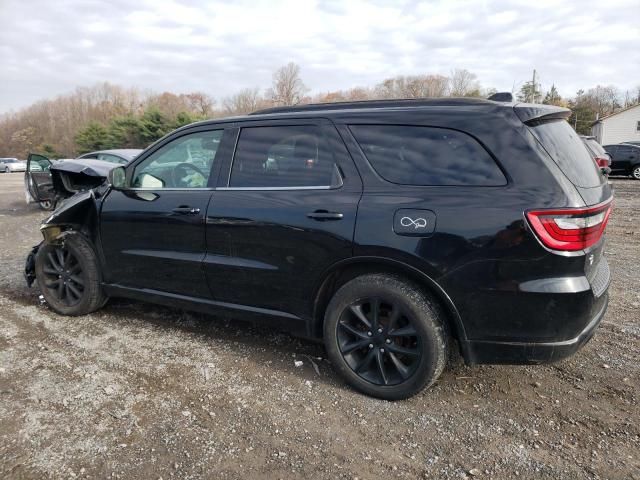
(622, 126)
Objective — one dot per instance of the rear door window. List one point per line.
(413, 155)
(565, 147)
(283, 157)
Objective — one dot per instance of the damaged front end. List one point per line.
(74, 176)
(79, 187)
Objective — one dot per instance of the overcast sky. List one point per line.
(48, 47)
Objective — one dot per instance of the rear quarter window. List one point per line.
(413, 155)
(566, 148)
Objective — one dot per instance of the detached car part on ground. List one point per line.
(393, 230)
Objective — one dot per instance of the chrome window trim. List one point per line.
(271, 189)
(171, 189)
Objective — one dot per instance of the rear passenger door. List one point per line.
(283, 213)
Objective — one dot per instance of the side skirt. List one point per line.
(259, 316)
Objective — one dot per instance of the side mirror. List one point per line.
(117, 178)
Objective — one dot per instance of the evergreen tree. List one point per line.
(530, 92)
(93, 137)
(552, 97)
(124, 132)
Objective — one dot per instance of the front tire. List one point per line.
(69, 276)
(385, 336)
(47, 204)
(635, 172)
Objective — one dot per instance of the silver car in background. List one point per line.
(10, 165)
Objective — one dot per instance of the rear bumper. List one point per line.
(496, 352)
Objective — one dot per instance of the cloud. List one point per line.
(48, 48)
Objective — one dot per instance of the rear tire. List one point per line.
(385, 336)
(69, 276)
(635, 172)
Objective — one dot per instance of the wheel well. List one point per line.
(340, 276)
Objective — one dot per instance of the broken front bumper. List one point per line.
(30, 266)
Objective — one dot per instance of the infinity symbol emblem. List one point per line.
(417, 223)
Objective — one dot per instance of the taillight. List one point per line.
(602, 162)
(570, 229)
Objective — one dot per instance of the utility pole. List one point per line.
(533, 87)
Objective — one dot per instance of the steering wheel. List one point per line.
(179, 172)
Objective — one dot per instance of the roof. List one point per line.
(367, 104)
(616, 113)
(525, 111)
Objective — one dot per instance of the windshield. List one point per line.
(566, 148)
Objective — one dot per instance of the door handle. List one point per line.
(324, 215)
(185, 210)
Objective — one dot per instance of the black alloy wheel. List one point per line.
(63, 276)
(378, 341)
(386, 336)
(69, 276)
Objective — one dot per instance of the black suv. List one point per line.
(393, 230)
(625, 159)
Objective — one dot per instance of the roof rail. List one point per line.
(409, 102)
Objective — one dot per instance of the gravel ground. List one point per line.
(139, 391)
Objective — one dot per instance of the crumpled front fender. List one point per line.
(79, 212)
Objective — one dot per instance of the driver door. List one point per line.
(37, 179)
(153, 231)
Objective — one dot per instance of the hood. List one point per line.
(89, 167)
(72, 176)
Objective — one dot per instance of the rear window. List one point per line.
(412, 155)
(596, 148)
(565, 147)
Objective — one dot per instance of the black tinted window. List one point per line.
(565, 147)
(426, 156)
(287, 156)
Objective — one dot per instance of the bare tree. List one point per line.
(604, 100)
(463, 83)
(413, 86)
(245, 101)
(287, 87)
(201, 103)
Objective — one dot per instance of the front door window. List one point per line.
(186, 162)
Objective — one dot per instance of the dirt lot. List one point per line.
(138, 391)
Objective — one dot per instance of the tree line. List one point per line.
(110, 116)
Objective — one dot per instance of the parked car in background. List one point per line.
(599, 154)
(10, 165)
(625, 159)
(632, 142)
(120, 156)
(393, 230)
